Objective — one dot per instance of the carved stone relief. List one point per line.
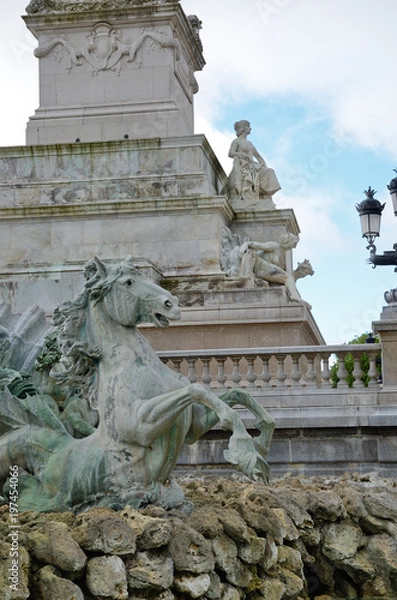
(44, 6)
(104, 48)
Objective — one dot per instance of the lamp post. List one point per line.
(370, 211)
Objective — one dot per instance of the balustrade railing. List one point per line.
(278, 369)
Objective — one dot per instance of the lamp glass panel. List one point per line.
(370, 224)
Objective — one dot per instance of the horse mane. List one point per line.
(78, 365)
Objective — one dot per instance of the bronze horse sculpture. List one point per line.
(146, 411)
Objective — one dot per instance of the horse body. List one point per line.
(146, 411)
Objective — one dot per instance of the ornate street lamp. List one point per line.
(370, 211)
(392, 187)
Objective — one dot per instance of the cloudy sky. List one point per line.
(316, 78)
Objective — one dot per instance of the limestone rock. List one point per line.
(253, 551)
(10, 589)
(205, 520)
(322, 504)
(271, 554)
(149, 571)
(359, 567)
(293, 583)
(352, 500)
(341, 541)
(272, 589)
(290, 532)
(230, 593)
(262, 519)
(234, 525)
(106, 577)
(189, 550)
(225, 551)
(51, 586)
(193, 585)
(215, 590)
(55, 546)
(102, 530)
(290, 559)
(151, 532)
(382, 551)
(382, 503)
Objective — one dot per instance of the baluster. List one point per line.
(191, 371)
(357, 372)
(326, 373)
(281, 376)
(310, 373)
(342, 373)
(265, 376)
(221, 376)
(236, 375)
(373, 372)
(251, 375)
(177, 364)
(295, 373)
(207, 377)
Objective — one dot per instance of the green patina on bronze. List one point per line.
(127, 414)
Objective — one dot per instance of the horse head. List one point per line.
(129, 297)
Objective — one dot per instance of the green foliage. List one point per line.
(349, 363)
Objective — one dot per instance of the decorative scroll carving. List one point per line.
(45, 6)
(105, 49)
(196, 25)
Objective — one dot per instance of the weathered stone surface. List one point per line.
(382, 552)
(324, 504)
(293, 583)
(234, 525)
(225, 551)
(290, 559)
(107, 577)
(271, 554)
(151, 532)
(290, 532)
(149, 571)
(341, 541)
(353, 500)
(262, 519)
(51, 586)
(359, 567)
(189, 550)
(55, 546)
(205, 520)
(14, 576)
(193, 585)
(253, 551)
(353, 557)
(381, 503)
(272, 589)
(102, 530)
(216, 588)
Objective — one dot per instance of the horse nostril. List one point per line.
(168, 304)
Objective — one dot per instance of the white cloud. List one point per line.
(340, 55)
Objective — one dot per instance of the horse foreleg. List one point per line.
(264, 422)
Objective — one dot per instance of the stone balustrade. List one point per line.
(301, 368)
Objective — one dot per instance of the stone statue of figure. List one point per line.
(262, 260)
(250, 179)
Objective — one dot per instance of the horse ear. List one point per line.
(101, 267)
(130, 261)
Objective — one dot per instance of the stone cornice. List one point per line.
(65, 6)
(119, 207)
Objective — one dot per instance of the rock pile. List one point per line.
(299, 539)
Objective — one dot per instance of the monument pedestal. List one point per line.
(159, 200)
